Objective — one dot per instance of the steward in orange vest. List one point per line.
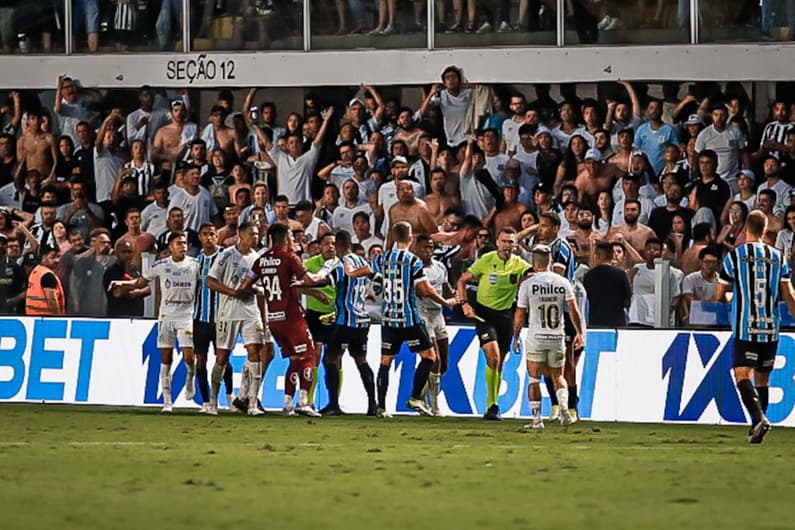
(45, 295)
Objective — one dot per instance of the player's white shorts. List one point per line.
(434, 323)
(545, 347)
(226, 332)
(171, 331)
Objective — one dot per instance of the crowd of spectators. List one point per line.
(645, 178)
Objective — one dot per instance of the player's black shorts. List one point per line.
(203, 335)
(498, 326)
(416, 337)
(354, 338)
(757, 355)
(569, 331)
(320, 331)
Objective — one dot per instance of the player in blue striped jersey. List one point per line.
(404, 279)
(204, 312)
(757, 274)
(350, 276)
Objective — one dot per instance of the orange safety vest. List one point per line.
(35, 300)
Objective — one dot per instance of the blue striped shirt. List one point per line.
(755, 272)
(206, 307)
(350, 300)
(563, 255)
(401, 270)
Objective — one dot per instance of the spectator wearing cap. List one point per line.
(153, 217)
(45, 294)
(746, 195)
(771, 168)
(195, 201)
(171, 140)
(79, 212)
(709, 193)
(630, 191)
(593, 178)
(12, 280)
(693, 125)
(387, 193)
(651, 136)
(542, 197)
(509, 212)
(728, 143)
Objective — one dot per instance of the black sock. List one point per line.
(421, 378)
(383, 385)
(332, 384)
(204, 387)
(573, 399)
(228, 379)
(366, 373)
(764, 395)
(551, 390)
(750, 400)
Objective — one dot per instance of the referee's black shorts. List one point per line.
(496, 326)
(570, 332)
(354, 338)
(320, 332)
(203, 335)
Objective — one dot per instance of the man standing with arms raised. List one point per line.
(498, 275)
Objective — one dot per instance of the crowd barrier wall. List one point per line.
(623, 375)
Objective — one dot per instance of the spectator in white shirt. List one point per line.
(701, 284)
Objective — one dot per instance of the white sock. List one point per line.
(563, 399)
(191, 379)
(535, 409)
(215, 383)
(434, 386)
(288, 402)
(165, 382)
(303, 398)
(255, 373)
(244, 383)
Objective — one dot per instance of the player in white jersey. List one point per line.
(238, 313)
(178, 275)
(431, 314)
(541, 300)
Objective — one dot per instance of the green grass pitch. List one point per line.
(88, 467)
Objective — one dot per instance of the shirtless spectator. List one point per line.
(171, 139)
(411, 210)
(139, 240)
(281, 209)
(407, 131)
(593, 178)
(703, 237)
(438, 200)
(620, 158)
(217, 135)
(227, 235)
(36, 150)
(509, 213)
(585, 236)
(631, 230)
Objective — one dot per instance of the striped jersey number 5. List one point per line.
(393, 290)
(760, 291)
(272, 287)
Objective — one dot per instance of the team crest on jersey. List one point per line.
(168, 283)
